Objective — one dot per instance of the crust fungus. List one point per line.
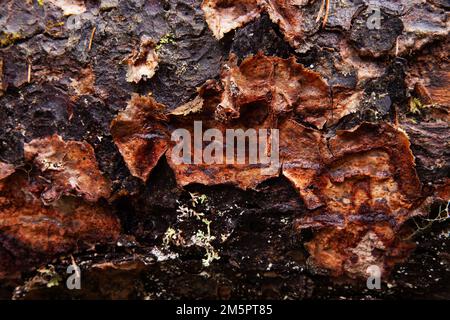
(140, 134)
(70, 166)
(142, 63)
(359, 185)
(41, 215)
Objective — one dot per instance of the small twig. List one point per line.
(322, 7)
(327, 11)
(46, 180)
(92, 38)
(396, 47)
(29, 72)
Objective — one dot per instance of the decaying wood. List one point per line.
(90, 92)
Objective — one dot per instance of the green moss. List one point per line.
(166, 39)
(198, 199)
(204, 240)
(50, 276)
(8, 38)
(40, 2)
(201, 238)
(415, 105)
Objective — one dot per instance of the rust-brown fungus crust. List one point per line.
(70, 166)
(140, 134)
(33, 230)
